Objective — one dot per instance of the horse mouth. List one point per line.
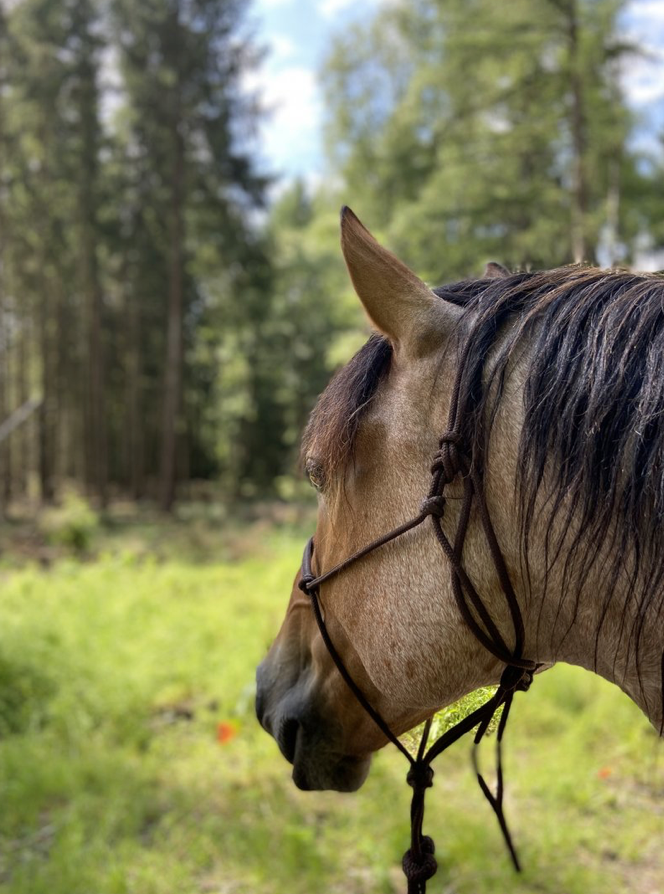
(317, 766)
(287, 738)
(313, 745)
(337, 774)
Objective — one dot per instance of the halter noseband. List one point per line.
(419, 863)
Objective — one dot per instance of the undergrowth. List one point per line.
(130, 759)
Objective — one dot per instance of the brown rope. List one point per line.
(419, 862)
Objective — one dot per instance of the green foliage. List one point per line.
(25, 692)
(451, 715)
(101, 226)
(114, 779)
(284, 351)
(478, 131)
(131, 207)
(72, 525)
(461, 132)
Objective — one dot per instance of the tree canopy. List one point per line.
(503, 130)
(173, 313)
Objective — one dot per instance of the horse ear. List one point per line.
(495, 271)
(396, 300)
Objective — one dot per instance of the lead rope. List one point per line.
(419, 863)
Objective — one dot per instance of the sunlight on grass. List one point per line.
(130, 759)
(450, 716)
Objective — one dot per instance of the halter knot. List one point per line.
(419, 870)
(449, 437)
(420, 776)
(516, 679)
(448, 458)
(305, 582)
(433, 506)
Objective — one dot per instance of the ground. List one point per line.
(130, 759)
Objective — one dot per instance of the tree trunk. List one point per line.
(613, 211)
(8, 453)
(97, 470)
(580, 248)
(21, 466)
(5, 460)
(47, 410)
(97, 473)
(134, 399)
(173, 370)
(4, 448)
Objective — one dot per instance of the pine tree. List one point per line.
(483, 123)
(182, 63)
(124, 245)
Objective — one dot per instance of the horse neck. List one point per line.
(584, 619)
(573, 610)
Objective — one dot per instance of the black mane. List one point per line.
(594, 409)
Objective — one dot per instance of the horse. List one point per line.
(556, 381)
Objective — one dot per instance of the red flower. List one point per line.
(226, 732)
(604, 772)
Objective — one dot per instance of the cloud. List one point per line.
(329, 9)
(651, 11)
(263, 5)
(282, 47)
(643, 83)
(291, 133)
(643, 76)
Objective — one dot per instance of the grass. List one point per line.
(130, 760)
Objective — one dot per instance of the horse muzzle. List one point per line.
(307, 738)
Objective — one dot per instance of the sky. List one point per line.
(298, 35)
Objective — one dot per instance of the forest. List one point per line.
(171, 306)
(170, 309)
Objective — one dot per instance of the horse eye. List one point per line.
(315, 474)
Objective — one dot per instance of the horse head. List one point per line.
(367, 451)
(522, 355)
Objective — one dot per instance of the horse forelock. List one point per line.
(331, 432)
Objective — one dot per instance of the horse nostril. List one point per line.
(287, 738)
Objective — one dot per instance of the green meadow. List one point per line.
(130, 759)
